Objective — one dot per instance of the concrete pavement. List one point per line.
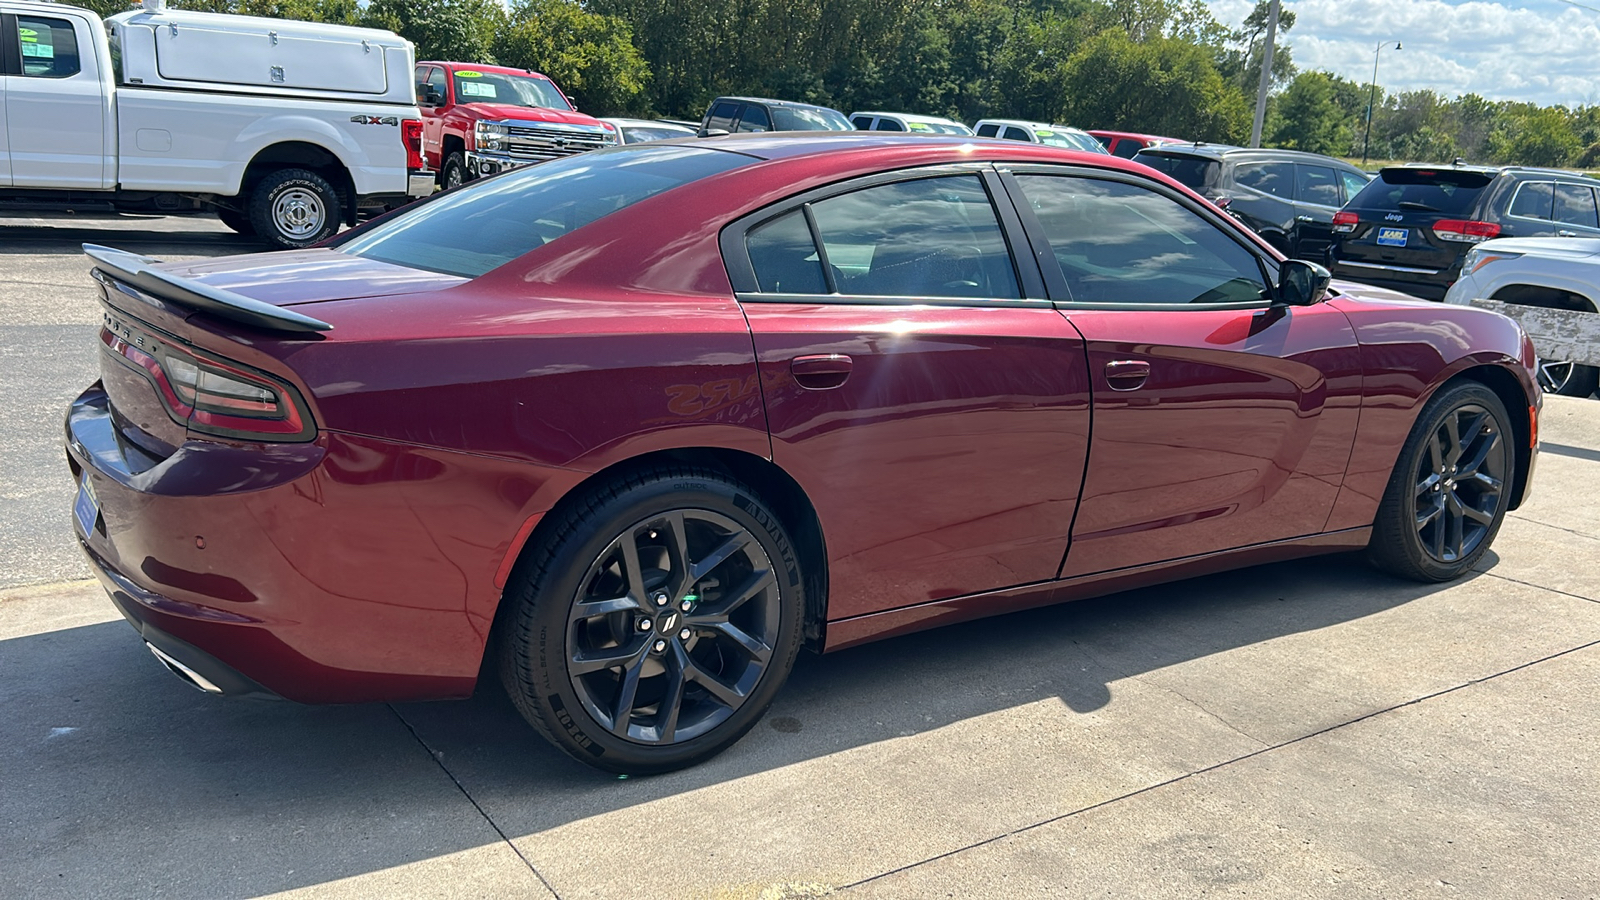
(1306, 729)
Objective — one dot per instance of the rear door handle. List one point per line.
(1564, 233)
(821, 371)
(1127, 374)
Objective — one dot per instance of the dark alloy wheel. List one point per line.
(1448, 494)
(1567, 379)
(675, 602)
(453, 173)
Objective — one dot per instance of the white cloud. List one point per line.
(1542, 51)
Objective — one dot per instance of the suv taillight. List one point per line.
(411, 136)
(1345, 222)
(211, 396)
(1466, 231)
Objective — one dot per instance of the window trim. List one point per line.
(747, 288)
(9, 64)
(1056, 282)
(12, 37)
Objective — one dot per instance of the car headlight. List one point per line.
(1478, 257)
(489, 135)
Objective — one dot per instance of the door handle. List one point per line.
(1565, 233)
(1127, 374)
(821, 371)
(1304, 219)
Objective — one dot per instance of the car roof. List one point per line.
(1230, 152)
(795, 104)
(1493, 170)
(778, 145)
(909, 117)
(1106, 132)
(474, 67)
(653, 123)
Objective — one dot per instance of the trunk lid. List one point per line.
(1397, 213)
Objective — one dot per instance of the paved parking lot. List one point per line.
(1311, 729)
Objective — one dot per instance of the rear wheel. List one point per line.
(655, 621)
(1448, 493)
(1567, 378)
(294, 208)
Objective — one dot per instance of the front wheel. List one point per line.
(453, 173)
(654, 622)
(294, 208)
(1448, 493)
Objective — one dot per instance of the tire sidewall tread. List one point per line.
(275, 183)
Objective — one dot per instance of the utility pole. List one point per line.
(1266, 75)
(1372, 100)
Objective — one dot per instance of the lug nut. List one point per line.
(660, 646)
(660, 599)
(686, 606)
(683, 635)
(644, 624)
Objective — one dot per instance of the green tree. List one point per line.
(1534, 136)
(591, 56)
(1307, 116)
(1165, 86)
(449, 30)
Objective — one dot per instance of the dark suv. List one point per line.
(736, 115)
(1286, 196)
(1410, 228)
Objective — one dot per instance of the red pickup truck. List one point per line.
(480, 120)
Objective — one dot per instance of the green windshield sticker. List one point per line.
(29, 36)
(1044, 132)
(469, 74)
(920, 126)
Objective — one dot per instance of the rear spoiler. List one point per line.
(134, 270)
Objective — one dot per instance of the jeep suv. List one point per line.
(1410, 228)
(737, 115)
(1286, 196)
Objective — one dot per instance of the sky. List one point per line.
(1542, 51)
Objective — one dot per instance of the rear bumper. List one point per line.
(280, 569)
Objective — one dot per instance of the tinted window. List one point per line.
(1126, 148)
(1013, 133)
(437, 82)
(1119, 243)
(1353, 184)
(1190, 171)
(988, 130)
(889, 125)
(785, 258)
(49, 48)
(934, 237)
(862, 123)
(1276, 179)
(722, 115)
(1533, 200)
(1104, 141)
(1317, 184)
(1449, 191)
(490, 223)
(1575, 206)
(755, 119)
(809, 118)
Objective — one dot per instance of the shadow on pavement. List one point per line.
(187, 235)
(119, 778)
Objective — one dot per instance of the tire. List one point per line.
(1567, 379)
(454, 171)
(593, 656)
(294, 208)
(1447, 495)
(237, 221)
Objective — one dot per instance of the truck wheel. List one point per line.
(454, 172)
(237, 221)
(294, 208)
(1568, 379)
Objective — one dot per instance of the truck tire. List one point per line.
(294, 208)
(237, 221)
(453, 173)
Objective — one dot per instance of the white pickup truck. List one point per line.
(283, 129)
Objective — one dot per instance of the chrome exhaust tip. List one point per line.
(189, 675)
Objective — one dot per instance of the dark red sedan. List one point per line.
(635, 426)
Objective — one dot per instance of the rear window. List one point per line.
(488, 224)
(1447, 191)
(1190, 171)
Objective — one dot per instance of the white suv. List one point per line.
(1062, 136)
(1555, 273)
(907, 122)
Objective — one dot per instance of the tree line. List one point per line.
(1155, 66)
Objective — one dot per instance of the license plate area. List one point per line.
(1393, 237)
(86, 508)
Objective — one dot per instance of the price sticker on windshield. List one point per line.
(1393, 237)
(469, 74)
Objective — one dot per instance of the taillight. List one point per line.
(1345, 222)
(1464, 230)
(212, 396)
(411, 136)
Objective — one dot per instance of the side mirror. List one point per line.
(712, 132)
(1302, 283)
(431, 96)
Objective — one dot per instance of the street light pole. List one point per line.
(1266, 74)
(1373, 99)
